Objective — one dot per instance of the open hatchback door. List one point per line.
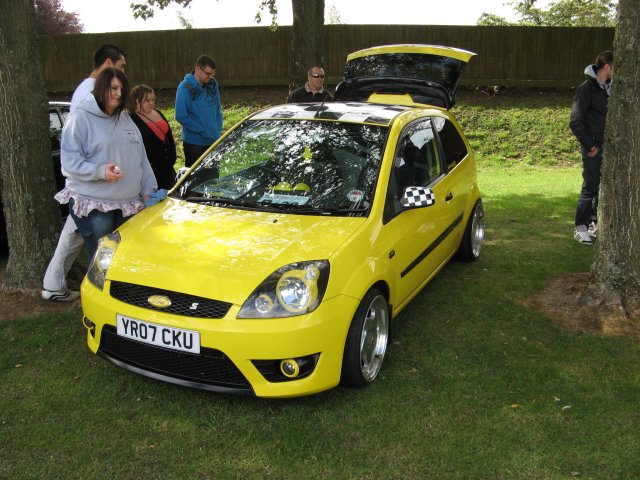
(404, 74)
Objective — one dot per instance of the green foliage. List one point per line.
(269, 6)
(562, 13)
(508, 130)
(492, 20)
(147, 9)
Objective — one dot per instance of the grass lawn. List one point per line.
(476, 385)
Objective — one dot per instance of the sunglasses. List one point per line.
(317, 75)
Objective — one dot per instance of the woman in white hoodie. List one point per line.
(104, 160)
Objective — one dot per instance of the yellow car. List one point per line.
(276, 265)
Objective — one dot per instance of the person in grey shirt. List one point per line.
(70, 243)
(103, 157)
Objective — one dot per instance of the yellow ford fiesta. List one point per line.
(277, 264)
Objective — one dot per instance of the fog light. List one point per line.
(290, 368)
(89, 325)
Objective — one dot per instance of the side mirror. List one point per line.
(416, 197)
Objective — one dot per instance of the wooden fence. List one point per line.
(254, 56)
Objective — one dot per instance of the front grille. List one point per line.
(211, 367)
(181, 303)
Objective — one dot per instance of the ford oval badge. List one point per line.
(159, 301)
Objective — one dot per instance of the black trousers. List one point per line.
(587, 209)
(192, 152)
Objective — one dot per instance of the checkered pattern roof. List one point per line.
(345, 112)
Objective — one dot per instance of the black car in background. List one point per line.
(58, 113)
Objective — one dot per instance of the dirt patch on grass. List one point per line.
(25, 304)
(560, 301)
(16, 305)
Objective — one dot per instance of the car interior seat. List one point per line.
(412, 169)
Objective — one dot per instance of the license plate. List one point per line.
(160, 335)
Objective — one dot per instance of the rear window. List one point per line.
(455, 150)
(435, 68)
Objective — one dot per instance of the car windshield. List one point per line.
(302, 166)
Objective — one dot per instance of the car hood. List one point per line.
(220, 253)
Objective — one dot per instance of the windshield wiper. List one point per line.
(269, 207)
(326, 211)
(225, 201)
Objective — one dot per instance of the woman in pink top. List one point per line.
(156, 135)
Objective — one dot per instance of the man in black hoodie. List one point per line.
(588, 115)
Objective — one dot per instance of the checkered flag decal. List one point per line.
(417, 197)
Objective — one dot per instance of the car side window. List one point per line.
(417, 161)
(453, 146)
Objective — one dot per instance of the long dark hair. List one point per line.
(102, 89)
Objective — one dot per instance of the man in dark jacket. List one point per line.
(588, 115)
(313, 90)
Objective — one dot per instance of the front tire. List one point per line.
(473, 238)
(367, 341)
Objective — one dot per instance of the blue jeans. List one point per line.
(587, 209)
(95, 226)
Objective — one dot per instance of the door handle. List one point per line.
(449, 196)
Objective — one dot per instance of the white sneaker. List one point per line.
(60, 295)
(582, 235)
(593, 230)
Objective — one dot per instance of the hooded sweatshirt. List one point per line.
(198, 111)
(589, 110)
(90, 140)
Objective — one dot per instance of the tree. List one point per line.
(492, 20)
(615, 278)
(563, 13)
(26, 169)
(307, 41)
(52, 19)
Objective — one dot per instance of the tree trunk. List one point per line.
(616, 274)
(307, 39)
(26, 168)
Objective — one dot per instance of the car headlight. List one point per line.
(292, 290)
(101, 261)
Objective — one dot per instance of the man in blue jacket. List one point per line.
(588, 115)
(198, 109)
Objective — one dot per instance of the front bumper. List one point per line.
(237, 355)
